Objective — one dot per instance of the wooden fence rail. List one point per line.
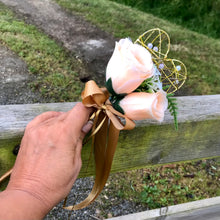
(149, 143)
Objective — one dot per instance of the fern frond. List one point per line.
(172, 106)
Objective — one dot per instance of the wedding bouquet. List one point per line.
(139, 82)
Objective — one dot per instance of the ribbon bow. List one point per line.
(106, 124)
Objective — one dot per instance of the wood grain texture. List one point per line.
(14, 118)
(148, 144)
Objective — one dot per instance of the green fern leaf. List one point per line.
(172, 107)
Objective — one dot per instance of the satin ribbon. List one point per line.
(105, 134)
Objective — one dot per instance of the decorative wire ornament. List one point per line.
(173, 72)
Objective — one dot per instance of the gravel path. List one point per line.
(83, 39)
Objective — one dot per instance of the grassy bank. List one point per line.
(56, 70)
(199, 52)
(201, 16)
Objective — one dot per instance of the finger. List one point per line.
(43, 117)
(77, 118)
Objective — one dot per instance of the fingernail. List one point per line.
(87, 127)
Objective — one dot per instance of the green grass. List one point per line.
(56, 69)
(201, 15)
(199, 52)
(161, 186)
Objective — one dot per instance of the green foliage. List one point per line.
(114, 98)
(145, 86)
(177, 183)
(163, 185)
(150, 85)
(199, 15)
(172, 107)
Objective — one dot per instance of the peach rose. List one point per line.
(142, 105)
(129, 66)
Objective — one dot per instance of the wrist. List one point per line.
(23, 204)
(36, 189)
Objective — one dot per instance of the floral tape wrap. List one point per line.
(106, 128)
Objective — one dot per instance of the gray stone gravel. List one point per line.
(97, 210)
(81, 188)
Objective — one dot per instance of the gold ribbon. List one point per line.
(105, 133)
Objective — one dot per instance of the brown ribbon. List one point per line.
(105, 133)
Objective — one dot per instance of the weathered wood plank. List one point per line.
(149, 143)
(14, 118)
(206, 209)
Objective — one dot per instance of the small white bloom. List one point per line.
(178, 68)
(161, 66)
(150, 45)
(155, 49)
(156, 83)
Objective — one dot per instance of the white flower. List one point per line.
(129, 66)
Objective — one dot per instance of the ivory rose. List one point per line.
(129, 66)
(142, 105)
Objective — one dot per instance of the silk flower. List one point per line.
(128, 67)
(142, 105)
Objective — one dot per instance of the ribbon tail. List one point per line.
(110, 152)
(100, 153)
(6, 175)
(103, 158)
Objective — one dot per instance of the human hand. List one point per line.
(49, 158)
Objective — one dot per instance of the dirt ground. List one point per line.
(84, 40)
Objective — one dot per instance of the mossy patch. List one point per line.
(7, 158)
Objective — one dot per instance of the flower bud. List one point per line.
(128, 67)
(142, 105)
